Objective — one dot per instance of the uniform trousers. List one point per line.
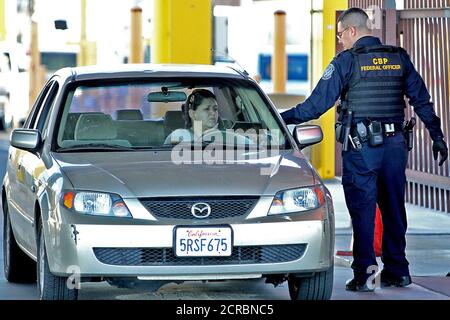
(374, 175)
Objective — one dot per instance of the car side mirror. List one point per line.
(26, 139)
(306, 135)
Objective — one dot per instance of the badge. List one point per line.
(328, 72)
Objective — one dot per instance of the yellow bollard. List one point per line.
(2, 21)
(182, 31)
(279, 59)
(323, 158)
(136, 53)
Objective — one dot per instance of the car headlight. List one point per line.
(297, 200)
(96, 203)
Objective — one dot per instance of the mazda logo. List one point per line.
(201, 210)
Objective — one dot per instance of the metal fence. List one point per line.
(366, 3)
(423, 29)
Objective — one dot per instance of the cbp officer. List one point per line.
(371, 81)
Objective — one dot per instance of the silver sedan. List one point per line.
(156, 174)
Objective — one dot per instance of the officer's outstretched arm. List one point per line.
(323, 97)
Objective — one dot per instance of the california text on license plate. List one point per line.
(203, 241)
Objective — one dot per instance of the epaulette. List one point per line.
(402, 50)
(342, 53)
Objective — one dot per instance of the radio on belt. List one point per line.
(375, 134)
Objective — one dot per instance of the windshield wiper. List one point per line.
(96, 147)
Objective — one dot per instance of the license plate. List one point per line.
(203, 241)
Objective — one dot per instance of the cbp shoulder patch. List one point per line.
(328, 72)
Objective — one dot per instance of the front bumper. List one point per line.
(77, 246)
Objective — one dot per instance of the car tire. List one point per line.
(317, 287)
(17, 266)
(50, 287)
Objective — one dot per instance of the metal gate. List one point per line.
(423, 29)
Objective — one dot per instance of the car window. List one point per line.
(43, 113)
(51, 107)
(151, 114)
(29, 123)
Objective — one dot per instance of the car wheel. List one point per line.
(317, 287)
(17, 266)
(50, 287)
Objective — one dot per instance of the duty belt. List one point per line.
(389, 129)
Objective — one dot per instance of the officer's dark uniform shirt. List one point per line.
(337, 77)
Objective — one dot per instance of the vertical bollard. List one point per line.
(136, 54)
(279, 59)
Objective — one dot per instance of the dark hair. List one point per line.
(193, 101)
(354, 16)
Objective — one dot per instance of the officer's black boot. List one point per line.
(359, 286)
(388, 280)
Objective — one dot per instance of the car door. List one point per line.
(16, 177)
(28, 168)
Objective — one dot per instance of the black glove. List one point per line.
(440, 146)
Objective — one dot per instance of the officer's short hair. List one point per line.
(355, 17)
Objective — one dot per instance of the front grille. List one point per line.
(166, 256)
(180, 208)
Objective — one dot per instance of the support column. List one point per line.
(136, 54)
(2, 21)
(82, 55)
(323, 154)
(279, 61)
(35, 62)
(182, 31)
(88, 49)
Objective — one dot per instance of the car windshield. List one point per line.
(162, 113)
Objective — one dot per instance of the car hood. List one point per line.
(153, 173)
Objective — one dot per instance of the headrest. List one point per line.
(95, 127)
(174, 119)
(71, 122)
(129, 114)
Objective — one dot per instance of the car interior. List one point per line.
(93, 116)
